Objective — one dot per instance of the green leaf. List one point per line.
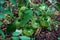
(8, 12)
(19, 14)
(23, 8)
(17, 32)
(17, 23)
(49, 28)
(58, 38)
(27, 17)
(43, 6)
(20, 3)
(15, 38)
(24, 38)
(1, 23)
(11, 28)
(2, 16)
(13, 2)
(37, 12)
(1, 8)
(1, 32)
(2, 1)
(34, 23)
(58, 6)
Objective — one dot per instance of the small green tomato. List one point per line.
(28, 32)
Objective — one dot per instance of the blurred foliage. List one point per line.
(21, 14)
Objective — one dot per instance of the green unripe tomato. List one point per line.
(28, 32)
(45, 21)
(35, 25)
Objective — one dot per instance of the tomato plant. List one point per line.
(23, 18)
